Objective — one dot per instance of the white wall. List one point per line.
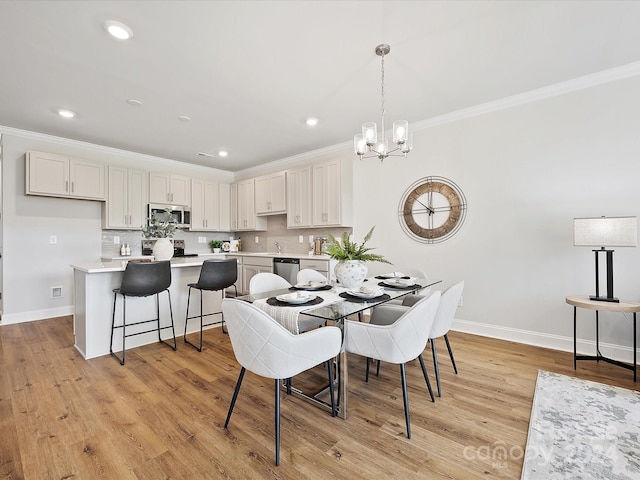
(526, 171)
(31, 265)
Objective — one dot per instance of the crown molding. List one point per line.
(563, 88)
(109, 151)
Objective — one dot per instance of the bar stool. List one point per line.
(214, 275)
(142, 279)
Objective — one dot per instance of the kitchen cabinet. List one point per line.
(246, 212)
(299, 198)
(169, 189)
(325, 267)
(252, 266)
(210, 209)
(53, 175)
(233, 203)
(332, 194)
(224, 210)
(271, 194)
(204, 206)
(127, 199)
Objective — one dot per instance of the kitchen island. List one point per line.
(93, 285)
(93, 304)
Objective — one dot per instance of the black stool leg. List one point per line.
(113, 323)
(173, 331)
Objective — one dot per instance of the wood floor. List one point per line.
(161, 415)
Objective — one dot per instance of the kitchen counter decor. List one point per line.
(162, 229)
(351, 269)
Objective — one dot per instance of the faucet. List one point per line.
(279, 247)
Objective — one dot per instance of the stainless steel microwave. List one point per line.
(180, 214)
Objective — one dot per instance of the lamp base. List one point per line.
(604, 299)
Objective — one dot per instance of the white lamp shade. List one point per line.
(605, 232)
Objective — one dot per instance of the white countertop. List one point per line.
(118, 264)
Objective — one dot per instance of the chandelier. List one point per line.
(368, 145)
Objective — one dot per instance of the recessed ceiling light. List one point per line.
(118, 30)
(184, 118)
(312, 121)
(66, 113)
(223, 153)
(134, 101)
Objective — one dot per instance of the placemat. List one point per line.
(355, 299)
(383, 277)
(318, 289)
(410, 287)
(274, 302)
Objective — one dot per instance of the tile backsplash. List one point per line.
(276, 232)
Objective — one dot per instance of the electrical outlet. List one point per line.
(56, 292)
(116, 239)
(53, 239)
(257, 239)
(301, 238)
(460, 301)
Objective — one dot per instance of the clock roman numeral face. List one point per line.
(432, 209)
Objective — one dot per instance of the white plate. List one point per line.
(400, 282)
(311, 285)
(364, 292)
(297, 297)
(393, 275)
(226, 246)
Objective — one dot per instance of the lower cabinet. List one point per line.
(325, 267)
(252, 266)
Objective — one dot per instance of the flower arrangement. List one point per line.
(348, 250)
(160, 228)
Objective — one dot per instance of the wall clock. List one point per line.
(432, 209)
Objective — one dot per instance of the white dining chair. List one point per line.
(264, 347)
(400, 342)
(266, 282)
(309, 275)
(443, 322)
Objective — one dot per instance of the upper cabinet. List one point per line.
(299, 197)
(332, 194)
(55, 175)
(246, 208)
(271, 194)
(170, 189)
(210, 207)
(127, 199)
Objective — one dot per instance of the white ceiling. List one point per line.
(248, 73)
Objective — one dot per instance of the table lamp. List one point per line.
(605, 232)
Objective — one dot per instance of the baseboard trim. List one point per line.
(545, 340)
(35, 315)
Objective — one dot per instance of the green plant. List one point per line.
(348, 250)
(215, 243)
(160, 228)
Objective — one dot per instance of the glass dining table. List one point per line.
(331, 305)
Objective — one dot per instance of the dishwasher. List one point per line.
(287, 268)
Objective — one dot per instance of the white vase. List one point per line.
(163, 249)
(350, 273)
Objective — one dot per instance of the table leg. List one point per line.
(598, 354)
(574, 336)
(635, 350)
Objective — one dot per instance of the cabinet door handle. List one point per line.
(66, 186)
(72, 186)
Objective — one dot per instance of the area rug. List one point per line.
(582, 430)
